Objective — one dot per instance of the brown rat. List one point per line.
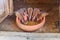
(43, 14)
(21, 14)
(30, 11)
(36, 12)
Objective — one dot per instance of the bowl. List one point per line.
(29, 28)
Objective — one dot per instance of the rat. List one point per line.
(43, 14)
(22, 14)
(30, 11)
(36, 12)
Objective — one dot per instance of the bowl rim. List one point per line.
(43, 20)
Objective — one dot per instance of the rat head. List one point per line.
(43, 14)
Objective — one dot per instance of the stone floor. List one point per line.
(28, 36)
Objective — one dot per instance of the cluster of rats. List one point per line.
(30, 14)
